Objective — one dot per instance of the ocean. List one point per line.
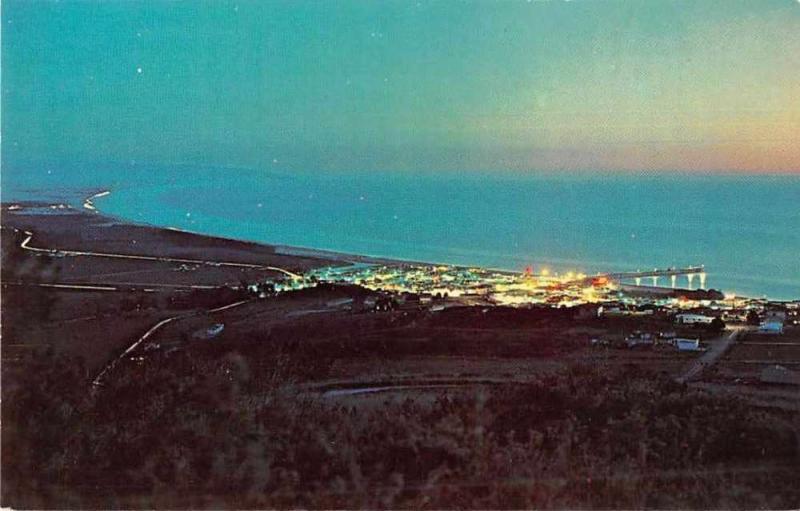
(744, 229)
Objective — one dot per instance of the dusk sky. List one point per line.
(363, 85)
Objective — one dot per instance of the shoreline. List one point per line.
(349, 258)
(293, 250)
(86, 205)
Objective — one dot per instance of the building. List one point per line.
(771, 327)
(612, 310)
(687, 344)
(209, 333)
(692, 319)
(639, 339)
(668, 336)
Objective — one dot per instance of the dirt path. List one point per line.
(710, 357)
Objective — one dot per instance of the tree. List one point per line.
(716, 325)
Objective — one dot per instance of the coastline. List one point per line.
(558, 242)
(351, 258)
(87, 204)
(289, 250)
(304, 214)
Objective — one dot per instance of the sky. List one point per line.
(642, 85)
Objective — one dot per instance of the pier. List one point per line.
(654, 275)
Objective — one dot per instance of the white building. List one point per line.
(691, 319)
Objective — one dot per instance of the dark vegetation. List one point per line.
(223, 426)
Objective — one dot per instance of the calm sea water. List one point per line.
(745, 229)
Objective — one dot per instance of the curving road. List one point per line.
(98, 380)
(54, 252)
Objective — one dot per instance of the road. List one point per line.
(54, 252)
(111, 365)
(118, 286)
(711, 356)
(75, 287)
(98, 380)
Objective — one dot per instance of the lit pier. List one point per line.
(690, 272)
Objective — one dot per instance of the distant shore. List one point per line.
(87, 206)
(86, 203)
(477, 220)
(174, 239)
